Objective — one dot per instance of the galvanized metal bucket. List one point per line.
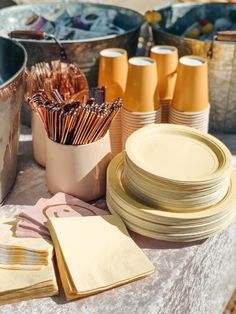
(13, 59)
(84, 52)
(222, 60)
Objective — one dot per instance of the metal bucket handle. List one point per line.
(32, 34)
(226, 36)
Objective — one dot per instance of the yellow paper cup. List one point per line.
(191, 90)
(167, 62)
(79, 170)
(141, 93)
(38, 139)
(113, 69)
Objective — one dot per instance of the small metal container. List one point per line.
(13, 60)
(221, 56)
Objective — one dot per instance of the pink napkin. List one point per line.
(29, 227)
(33, 221)
(22, 232)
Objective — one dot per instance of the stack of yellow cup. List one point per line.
(113, 68)
(141, 102)
(167, 61)
(190, 105)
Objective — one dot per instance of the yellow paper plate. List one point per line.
(177, 199)
(178, 153)
(133, 205)
(154, 235)
(167, 229)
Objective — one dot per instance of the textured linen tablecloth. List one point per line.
(196, 278)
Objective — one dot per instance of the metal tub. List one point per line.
(85, 52)
(222, 64)
(12, 69)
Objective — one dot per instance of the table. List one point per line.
(195, 278)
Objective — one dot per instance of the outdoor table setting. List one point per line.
(117, 159)
(185, 273)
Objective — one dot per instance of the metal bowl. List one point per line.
(12, 69)
(222, 70)
(85, 52)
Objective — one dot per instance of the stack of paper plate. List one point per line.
(177, 167)
(173, 183)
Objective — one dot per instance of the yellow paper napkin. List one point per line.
(95, 254)
(22, 253)
(18, 285)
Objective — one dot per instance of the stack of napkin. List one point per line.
(19, 285)
(95, 254)
(22, 253)
(26, 268)
(32, 222)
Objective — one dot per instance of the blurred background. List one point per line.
(139, 5)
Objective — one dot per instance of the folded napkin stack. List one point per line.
(32, 222)
(22, 253)
(26, 268)
(95, 254)
(19, 285)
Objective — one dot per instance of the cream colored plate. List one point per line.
(174, 201)
(132, 204)
(171, 233)
(154, 235)
(177, 153)
(155, 186)
(162, 228)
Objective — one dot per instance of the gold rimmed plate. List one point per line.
(178, 154)
(132, 204)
